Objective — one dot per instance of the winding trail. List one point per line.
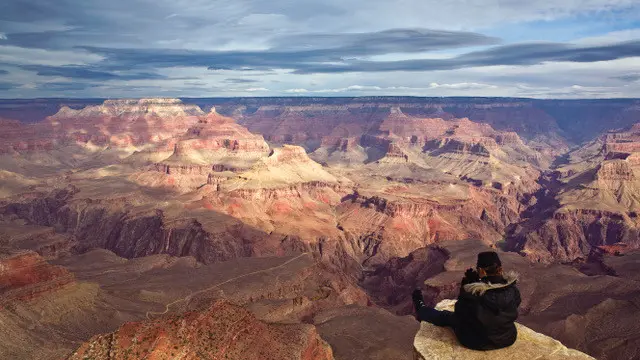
(166, 307)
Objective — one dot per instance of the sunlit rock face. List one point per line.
(440, 343)
(298, 207)
(221, 330)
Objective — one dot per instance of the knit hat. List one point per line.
(488, 258)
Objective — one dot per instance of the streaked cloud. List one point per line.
(115, 48)
(87, 72)
(240, 81)
(628, 77)
(6, 86)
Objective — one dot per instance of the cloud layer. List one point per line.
(539, 48)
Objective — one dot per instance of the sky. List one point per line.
(228, 48)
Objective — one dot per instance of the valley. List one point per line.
(165, 223)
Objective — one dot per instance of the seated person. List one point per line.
(486, 309)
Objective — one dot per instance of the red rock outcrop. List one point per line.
(284, 167)
(394, 151)
(382, 228)
(219, 331)
(214, 143)
(622, 141)
(183, 169)
(117, 123)
(216, 132)
(614, 249)
(337, 143)
(456, 146)
(375, 141)
(17, 136)
(26, 275)
(571, 234)
(124, 123)
(614, 170)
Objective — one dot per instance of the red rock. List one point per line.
(614, 249)
(339, 143)
(383, 228)
(26, 275)
(615, 170)
(219, 331)
(395, 152)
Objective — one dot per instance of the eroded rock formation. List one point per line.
(221, 330)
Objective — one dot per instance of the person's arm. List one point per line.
(418, 303)
(430, 314)
(470, 276)
(466, 304)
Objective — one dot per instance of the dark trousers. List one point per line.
(437, 317)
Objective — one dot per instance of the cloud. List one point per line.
(239, 81)
(569, 92)
(64, 86)
(3, 72)
(10, 54)
(627, 77)
(514, 54)
(335, 60)
(85, 72)
(383, 42)
(392, 89)
(7, 86)
(461, 86)
(287, 47)
(292, 51)
(351, 88)
(296, 91)
(255, 89)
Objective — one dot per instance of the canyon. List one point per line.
(278, 227)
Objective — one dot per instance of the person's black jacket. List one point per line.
(486, 311)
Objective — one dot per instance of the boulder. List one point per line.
(440, 343)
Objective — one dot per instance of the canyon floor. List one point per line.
(298, 228)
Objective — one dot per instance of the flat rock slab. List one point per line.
(440, 343)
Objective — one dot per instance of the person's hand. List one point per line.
(471, 276)
(416, 296)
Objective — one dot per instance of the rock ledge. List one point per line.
(437, 343)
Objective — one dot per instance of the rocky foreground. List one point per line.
(310, 222)
(221, 331)
(436, 343)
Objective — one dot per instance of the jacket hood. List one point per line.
(480, 287)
